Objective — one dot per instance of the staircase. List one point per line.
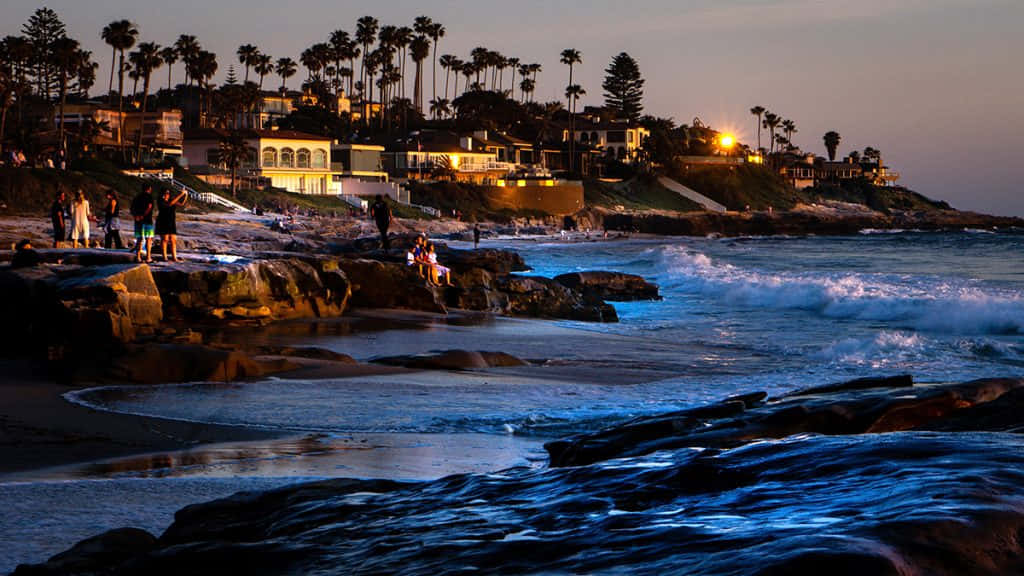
(208, 197)
(691, 194)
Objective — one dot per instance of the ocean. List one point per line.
(737, 315)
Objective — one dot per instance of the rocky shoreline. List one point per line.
(96, 312)
(932, 519)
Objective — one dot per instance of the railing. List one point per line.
(427, 210)
(356, 201)
(208, 197)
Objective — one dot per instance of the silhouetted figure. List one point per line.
(381, 213)
(60, 224)
(111, 222)
(476, 236)
(142, 213)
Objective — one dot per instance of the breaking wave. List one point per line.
(915, 302)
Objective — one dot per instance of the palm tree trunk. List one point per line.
(168, 77)
(433, 77)
(572, 132)
(63, 101)
(142, 120)
(113, 61)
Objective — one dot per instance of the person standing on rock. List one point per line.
(60, 225)
(111, 222)
(167, 222)
(476, 236)
(142, 213)
(381, 213)
(80, 220)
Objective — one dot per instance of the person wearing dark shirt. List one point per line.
(166, 222)
(24, 255)
(111, 222)
(57, 218)
(476, 236)
(142, 213)
(381, 213)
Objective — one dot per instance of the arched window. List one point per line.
(319, 159)
(593, 138)
(584, 138)
(287, 158)
(302, 158)
(269, 157)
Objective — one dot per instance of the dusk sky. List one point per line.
(936, 85)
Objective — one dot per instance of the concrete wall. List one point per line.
(557, 200)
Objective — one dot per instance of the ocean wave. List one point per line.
(916, 302)
(879, 351)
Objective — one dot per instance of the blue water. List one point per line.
(738, 315)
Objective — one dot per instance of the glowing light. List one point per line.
(755, 159)
(727, 140)
(455, 160)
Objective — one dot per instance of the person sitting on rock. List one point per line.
(417, 254)
(436, 270)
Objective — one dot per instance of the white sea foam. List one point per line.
(881, 350)
(921, 303)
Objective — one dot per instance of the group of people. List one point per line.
(72, 222)
(422, 255)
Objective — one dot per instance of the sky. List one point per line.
(934, 84)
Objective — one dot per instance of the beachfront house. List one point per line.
(161, 129)
(294, 161)
(442, 154)
(616, 139)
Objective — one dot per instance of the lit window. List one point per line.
(319, 159)
(287, 158)
(302, 158)
(269, 157)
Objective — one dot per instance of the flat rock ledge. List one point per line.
(873, 405)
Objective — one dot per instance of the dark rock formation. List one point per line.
(276, 289)
(92, 307)
(312, 353)
(96, 555)
(536, 296)
(615, 286)
(863, 406)
(453, 360)
(377, 284)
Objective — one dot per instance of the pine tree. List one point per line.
(624, 87)
(41, 30)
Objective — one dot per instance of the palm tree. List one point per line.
(188, 48)
(789, 127)
(234, 151)
(403, 37)
(571, 57)
(758, 111)
(439, 108)
(513, 63)
(169, 55)
(771, 122)
(120, 35)
(264, 65)
(527, 86)
(446, 63)
(247, 54)
(204, 69)
(435, 33)
(148, 59)
(366, 34)
(66, 58)
(86, 72)
(420, 49)
(832, 140)
(285, 68)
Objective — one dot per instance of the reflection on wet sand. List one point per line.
(400, 456)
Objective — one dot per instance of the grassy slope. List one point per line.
(740, 186)
(640, 193)
(31, 191)
(883, 199)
